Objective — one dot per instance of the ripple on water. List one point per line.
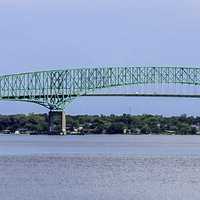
(101, 177)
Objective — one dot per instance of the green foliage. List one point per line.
(113, 124)
(31, 122)
(116, 128)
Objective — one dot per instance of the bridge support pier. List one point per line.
(57, 123)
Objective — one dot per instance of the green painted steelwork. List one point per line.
(55, 89)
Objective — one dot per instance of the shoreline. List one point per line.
(100, 134)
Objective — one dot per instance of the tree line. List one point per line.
(103, 124)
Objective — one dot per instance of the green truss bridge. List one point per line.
(56, 89)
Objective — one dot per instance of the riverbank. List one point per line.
(113, 124)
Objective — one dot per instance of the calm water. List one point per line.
(99, 167)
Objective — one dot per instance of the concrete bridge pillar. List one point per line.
(57, 123)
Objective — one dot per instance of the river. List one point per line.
(99, 167)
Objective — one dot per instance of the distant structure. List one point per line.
(56, 89)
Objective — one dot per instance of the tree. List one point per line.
(145, 129)
(116, 128)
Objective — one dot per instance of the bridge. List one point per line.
(57, 88)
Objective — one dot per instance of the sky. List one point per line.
(48, 34)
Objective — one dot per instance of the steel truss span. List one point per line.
(55, 89)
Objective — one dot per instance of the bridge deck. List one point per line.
(107, 95)
(146, 95)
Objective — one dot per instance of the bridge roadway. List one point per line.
(143, 95)
(108, 95)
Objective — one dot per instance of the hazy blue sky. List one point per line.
(38, 35)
